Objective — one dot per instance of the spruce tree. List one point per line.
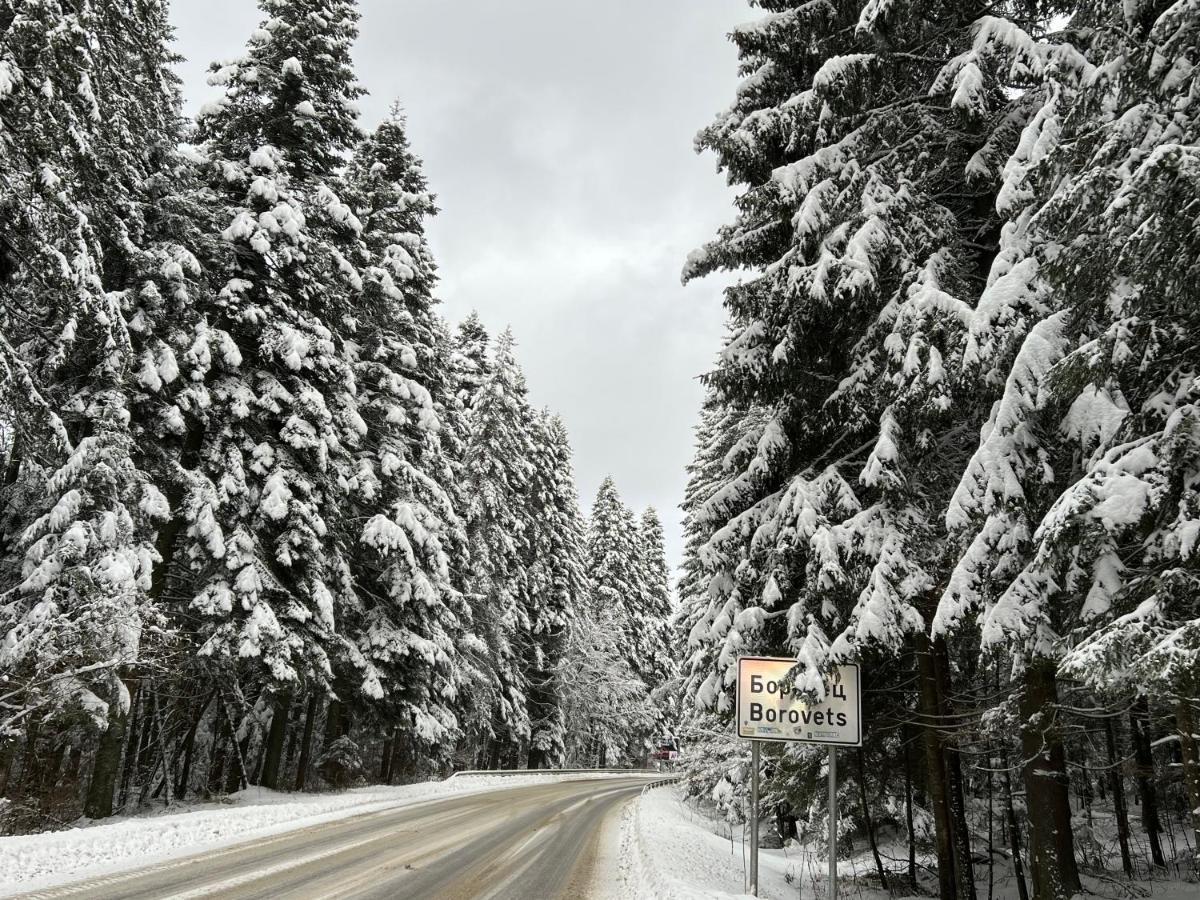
(869, 142)
(556, 587)
(1080, 501)
(471, 363)
(499, 472)
(651, 616)
(615, 588)
(95, 284)
(268, 564)
(407, 615)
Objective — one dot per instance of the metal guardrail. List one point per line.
(549, 772)
(661, 782)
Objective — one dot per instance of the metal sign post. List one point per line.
(754, 818)
(769, 708)
(832, 822)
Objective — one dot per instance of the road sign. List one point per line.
(769, 708)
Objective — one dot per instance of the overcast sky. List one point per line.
(557, 135)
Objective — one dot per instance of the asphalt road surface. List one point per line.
(525, 843)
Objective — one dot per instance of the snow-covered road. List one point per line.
(529, 841)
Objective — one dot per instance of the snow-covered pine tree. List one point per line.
(407, 620)
(650, 617)
(92, 253)
(869, 138)
(702, 601)
(267, 561)
(1097, 441)
(603, 699)
(615, 589)
(556, 587)
(498, 479)
(471, 364)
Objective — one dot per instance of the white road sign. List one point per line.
(770, 709)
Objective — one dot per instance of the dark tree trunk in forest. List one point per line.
(401, 760)
(537, 758)
(189, 747)
(302, 764)
(1189, 749)
(238, 777)
(935, 767)
(1143, 755)
(289, 757)
(385, 757)
(1047, 787)
(1116, 787)
(220, 754)
(908, 810)
(867, 823)
(1014, 835)
(964, 871)
(276, 737)
(29, 759)
(103, 784)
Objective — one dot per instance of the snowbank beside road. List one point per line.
(39, 861)
(671, 850)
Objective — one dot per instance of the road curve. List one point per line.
(524, 843)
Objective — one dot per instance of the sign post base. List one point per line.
(754, 818)
(832, 822)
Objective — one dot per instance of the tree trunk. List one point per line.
(1116, 787)
(1189, 747)
(168, 775)
(385, 757)
(537, 757)
(908, 811)
(991, 824)
(1014, 833)
(275, 741)
(27, 775)
(189, 747)
(310, 716)
(103, 784)
(1047, 787)
(401, 761)
(289, 757)
(220, 752)
(236, 777)
(867, 823)
(333, 721)
(133, 743)
(935, 766)
(1143, 754)
(964, 870)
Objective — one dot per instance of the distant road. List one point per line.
(522, 843)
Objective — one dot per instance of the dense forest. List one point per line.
(266, 518)
(954, 432)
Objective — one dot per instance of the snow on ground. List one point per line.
(39, 861)
(671, 849)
